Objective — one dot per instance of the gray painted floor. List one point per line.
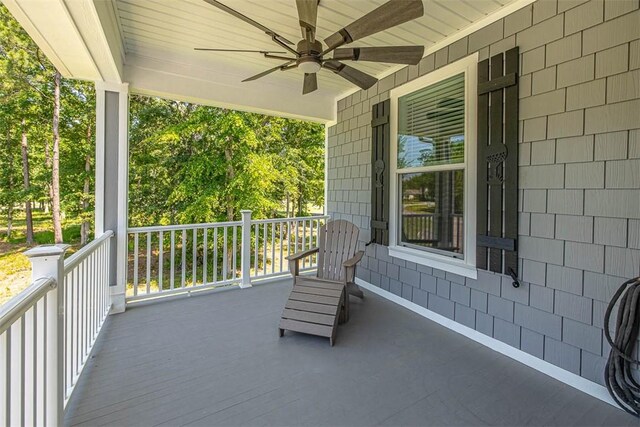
(216, 359)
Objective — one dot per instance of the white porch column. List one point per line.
(325, 208)
(112, 179)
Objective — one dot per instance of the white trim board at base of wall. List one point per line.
(562, 375)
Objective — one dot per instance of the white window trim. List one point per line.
(465, 266)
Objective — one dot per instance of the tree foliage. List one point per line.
(26, 107)
(192, 163)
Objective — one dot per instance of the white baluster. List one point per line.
(148, 278)
(194, 260)
(281, 243)
(264, 250)
(135, 264)
(184, 259)
(173, 259)
(245, 249)
(273, 247)
(205, 251)
(160, 259)
(224, 255)
(235, 251)
(215, 255)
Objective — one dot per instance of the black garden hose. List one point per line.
(624, 389)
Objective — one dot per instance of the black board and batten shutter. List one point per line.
(380, 147)
(497, 214)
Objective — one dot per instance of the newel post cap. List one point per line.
(47, 250)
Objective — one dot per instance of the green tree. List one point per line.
(23, 92)
(300, 145)
(192, 163)
(48, 132)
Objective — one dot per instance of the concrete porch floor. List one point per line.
(216, 359)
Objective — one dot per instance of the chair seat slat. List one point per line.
(306, 316)
(318, 291)
(310, 307)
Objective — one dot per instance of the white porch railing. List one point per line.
(164, 260)
(48, 330)
(87, 303)
(419, 227)
(25, 355)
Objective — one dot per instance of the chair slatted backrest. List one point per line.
(337, 242)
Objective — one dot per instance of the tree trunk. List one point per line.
(84, 228)
(287, 204)
(228, 155)
(55, 163)
(47, 161)
(47, 153)
(10, 185)
(9, 220)
(24, 144)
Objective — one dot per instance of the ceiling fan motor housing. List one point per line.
(309, 61)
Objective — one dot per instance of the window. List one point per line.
(433, 169)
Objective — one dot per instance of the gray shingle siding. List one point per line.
(579, 201)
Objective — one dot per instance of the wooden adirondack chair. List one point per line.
(317, 303)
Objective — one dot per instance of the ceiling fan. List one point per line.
(310, 54)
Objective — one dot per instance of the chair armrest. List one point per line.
(354, 260)
(302, 254)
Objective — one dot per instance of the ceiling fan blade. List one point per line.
(390, 14)
(410, 55)
(237, 50)
(269, 71)
(308, 16)
(310, 83)
(246, 19)
(357, 77)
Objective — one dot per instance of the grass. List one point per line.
(418, 207)
(15, 269)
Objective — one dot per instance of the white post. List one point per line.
(112, 156)
(245, 256)
(325, 208)
(48, 261)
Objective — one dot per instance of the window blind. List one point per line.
(431, 125)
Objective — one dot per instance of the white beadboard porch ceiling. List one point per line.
(168, 30)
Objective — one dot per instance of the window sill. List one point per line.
(455, 266)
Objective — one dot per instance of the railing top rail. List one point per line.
(75, 259)
(297, 218)
(21, 303)
(156, 228)
(429, 214)
(419, 214)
